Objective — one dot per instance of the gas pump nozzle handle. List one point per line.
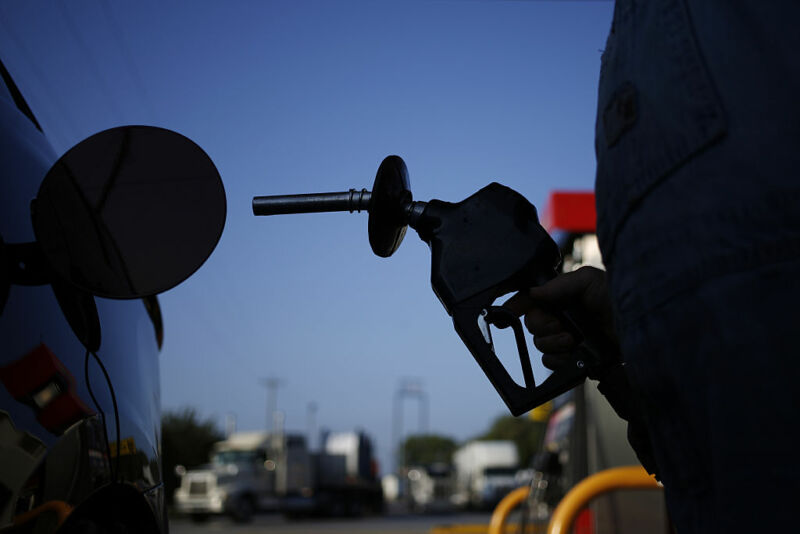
(486, 246)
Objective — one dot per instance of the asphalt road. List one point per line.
(387, 524)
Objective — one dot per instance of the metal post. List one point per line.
(397, 431)
(230, 424)
(311, 412)
(424, 409)
(272, 384)
(408, 389)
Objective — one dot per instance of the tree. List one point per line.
(426, 449)
(523, 431)
(185, 440)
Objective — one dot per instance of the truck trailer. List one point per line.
(485, 472)
(258, 471)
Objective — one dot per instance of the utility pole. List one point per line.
(271, 384)
(230, 424)
(311, 420)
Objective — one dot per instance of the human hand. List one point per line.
(584, 295)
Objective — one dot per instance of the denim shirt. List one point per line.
(657, 106)
(697, 143)
(698, 202)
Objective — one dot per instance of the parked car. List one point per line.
(87, 241)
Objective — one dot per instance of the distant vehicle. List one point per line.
(87, 241)
(257, 471)
(485, 472)
(391, 487)
(247, 474)
(431, 488)
(345, 479)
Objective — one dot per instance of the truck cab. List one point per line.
(485, 472)
(247, 473)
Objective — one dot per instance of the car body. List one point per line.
(80, 422)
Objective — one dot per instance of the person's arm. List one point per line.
(584, 293)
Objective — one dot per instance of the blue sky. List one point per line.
(302, 96)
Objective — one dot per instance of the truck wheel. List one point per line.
(242, 510)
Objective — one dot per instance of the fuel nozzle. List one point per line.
(390, 205)
(484, 247)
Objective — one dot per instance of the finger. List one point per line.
(563, 289)
(519, 303)
(560, 291)
(554, 361)
(562, 342)
(540, 322)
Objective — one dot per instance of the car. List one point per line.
(87, 241)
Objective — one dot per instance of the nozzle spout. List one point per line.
(353, 200)
(413, 213)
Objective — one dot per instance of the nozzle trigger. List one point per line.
(503, 318)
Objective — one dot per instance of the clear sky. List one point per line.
(298, 96)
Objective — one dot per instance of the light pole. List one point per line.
(272, 384)
(230, 424)
(311, 419)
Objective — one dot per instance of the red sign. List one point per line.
(570, 211)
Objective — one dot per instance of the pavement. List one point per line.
(456, 523)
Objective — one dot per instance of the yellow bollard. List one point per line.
(629, 477)
(500, 515)
(60, 508)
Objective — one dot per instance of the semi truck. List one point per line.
(430, 488)
(344, 476)
(258, 471)
(485, 472)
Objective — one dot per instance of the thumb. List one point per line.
(562, 290)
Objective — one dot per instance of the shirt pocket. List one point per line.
(657, 107)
